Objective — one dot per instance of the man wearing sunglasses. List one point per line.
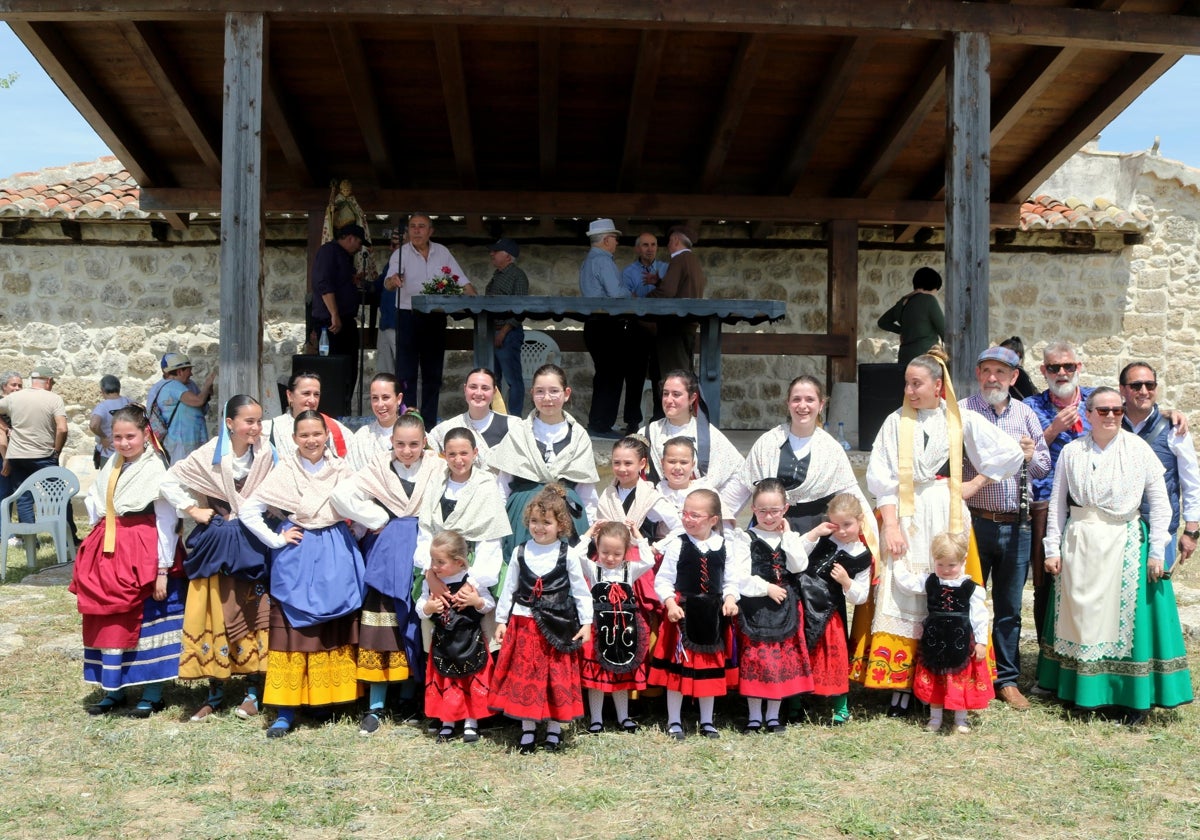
(1139, 389)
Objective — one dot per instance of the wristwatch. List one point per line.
(1193, 534)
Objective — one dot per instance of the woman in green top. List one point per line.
(917, 316)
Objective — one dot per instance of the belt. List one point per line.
(994, 516)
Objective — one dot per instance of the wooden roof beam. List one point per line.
(641, 105)
(752, 51)
(670, 207)
(548, 72)
(458, 113)
(923, 94)
(361, 89)
(160, 65)
(280, 117)
(1137, 74)
(79, 85)
(841, 73)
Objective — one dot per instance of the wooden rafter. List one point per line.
(162, 68)
(579, 204)
(641, 105)
(1138, 72)
(361, 89)
(752, 51)
(454, 91)
(548, 72)
(279, 114)
(842, 71)
(923, 94)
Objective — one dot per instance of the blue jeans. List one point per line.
(21, 469)
(508, 369)
(1004, 556)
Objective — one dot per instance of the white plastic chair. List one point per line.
(52, 489)
(538, 349)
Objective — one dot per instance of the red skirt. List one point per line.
(831, 660)
(451, 699)
(774, 670)
(532, 680)
(693, 674)
(970, 688)
(594, 675)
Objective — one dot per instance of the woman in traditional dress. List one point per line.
(376, 437)
(717, 460)
(915, 473)
(128, 575)
(1112, 635)
(487, 426)
(317, 579)
(386, 496)
(226, 621)
(304, 394)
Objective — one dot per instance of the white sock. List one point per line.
(960, 717)
(904, 695)
(621, 704)
(529, 726)
(470, 723)
(935, 715)
(553, 728)
(773, 709)
(596, 704)
(674, 706)
(706, 708)
(754, 704)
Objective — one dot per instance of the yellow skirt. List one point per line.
(207, 649)
(311, 679)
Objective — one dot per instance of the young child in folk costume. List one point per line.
(698, 585)
(614, 659)
(386, 497)
(546, 447)
(543, 618)
(227, 618)
(838, 573)
(952, 666)
(773, 661)
(316, 579)
(679, 465)
(128, 574)
(459, 673)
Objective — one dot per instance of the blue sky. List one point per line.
(40, 128)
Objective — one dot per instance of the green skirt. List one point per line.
(522, 493)
(1156, 672)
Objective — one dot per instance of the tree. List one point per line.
(7, 81)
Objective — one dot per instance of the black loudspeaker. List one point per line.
(880, 392)
(335, 373)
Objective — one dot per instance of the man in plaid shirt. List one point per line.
(997, 511)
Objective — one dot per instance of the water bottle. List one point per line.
(842, 436)
(323, 344)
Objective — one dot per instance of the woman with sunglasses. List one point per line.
(1112, 636)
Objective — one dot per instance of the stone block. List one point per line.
(40, 336)
(1148, 301)
(16, 283)
(184, 297)
(96, 268)
(1152, 278)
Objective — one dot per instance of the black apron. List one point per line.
(763, 620)
(945, 646)
(458, 648)
(549, 599)
(821, 594)
(620, 637)
(699, 580)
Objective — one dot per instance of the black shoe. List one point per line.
(470, 734)
(774, 726)
(145, 708)
(552, 742)
(709, 731)
(595, 728)
(528, 743)
(279, 728)
(106, 704)
(629, 725)
(752, 727)
(675, 730)
(369, 724)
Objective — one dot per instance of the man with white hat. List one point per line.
(1000, 510)
(602, 334)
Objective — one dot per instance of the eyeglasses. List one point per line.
(693, 515)
(547, 393)
(1105, 410)
(1147, 385)
(1069, 367)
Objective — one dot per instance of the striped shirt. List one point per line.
(1017, 420)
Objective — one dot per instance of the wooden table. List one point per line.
(710, 314)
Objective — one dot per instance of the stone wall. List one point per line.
(117, 300)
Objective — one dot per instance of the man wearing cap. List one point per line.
(336, 298)
(604, 335)
(684, 279)
(177, 412)
(999, 510)
(421, 338)
(508, 279)
(38, 421)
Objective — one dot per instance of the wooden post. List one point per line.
(241, 206)
(968, 165)
(842, 298)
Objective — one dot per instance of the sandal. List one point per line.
(528, 743)
(108, 703)
(752, 727)
(709, 731)
(675, 730)
(248, 709)
(596, 728)
(211, 704)
(774, 726)
(552, 742)
(629, 725)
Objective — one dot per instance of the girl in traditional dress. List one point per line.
(915, 473)
(773, 660)
(128, 575)
(543, 618)
(459, 673)
(717, 460)
(488, 427)
(838, 573)
(1112, 635)
(614, 659)
(226, 622)
(386, 497)
(376, 437)
(698, 585)
(317, 579)
(952, 669)
(546, 447)
(678, 465)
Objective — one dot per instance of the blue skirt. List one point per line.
(389, 560)
(320, 578)
(225, 547)
(156, 657)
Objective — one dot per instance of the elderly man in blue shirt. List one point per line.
(603, 335)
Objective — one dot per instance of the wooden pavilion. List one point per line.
(906, 114)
